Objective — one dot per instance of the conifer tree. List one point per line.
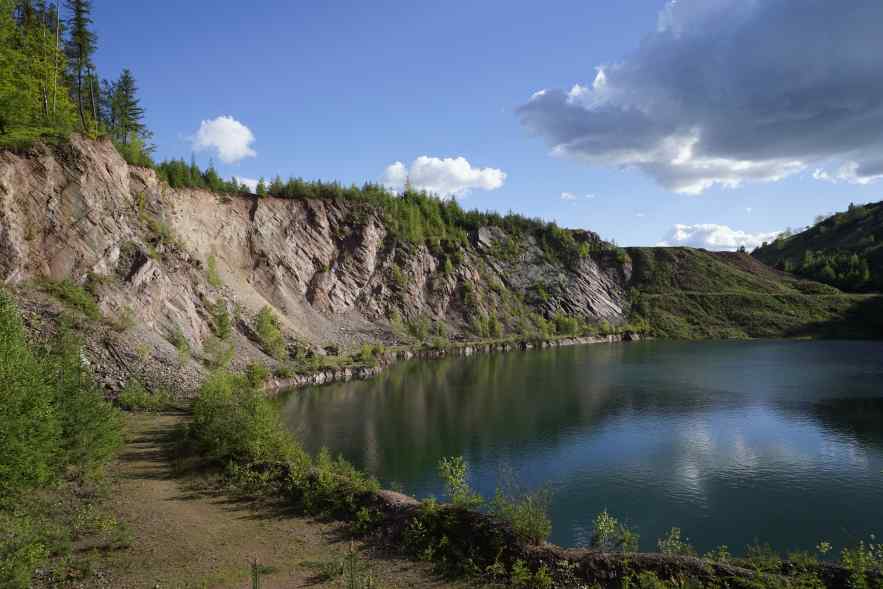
(80, 49)
(127, 113)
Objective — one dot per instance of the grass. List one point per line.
(74, 296)
(687, 294)
(20, 139)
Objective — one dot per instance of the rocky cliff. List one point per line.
(157, 261)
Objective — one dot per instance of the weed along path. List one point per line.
(185, 533)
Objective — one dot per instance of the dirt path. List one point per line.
(185, 534)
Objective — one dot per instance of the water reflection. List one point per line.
(728, 440)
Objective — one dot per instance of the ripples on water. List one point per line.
(730, 441)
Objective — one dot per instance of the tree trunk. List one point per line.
(45, 89)
(80, 96)
(92, 93)
(55, 57)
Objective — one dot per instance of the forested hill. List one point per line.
(844, 250)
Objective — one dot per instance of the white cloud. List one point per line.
(573, 196)
(784, 101)
(852, 173)
(640, 214)
(715, 237)
(442, 176)
(251, 183)
(229, 138)
(748, 210)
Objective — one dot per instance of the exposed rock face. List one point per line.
(328, 268)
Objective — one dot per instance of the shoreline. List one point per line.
(276, 386)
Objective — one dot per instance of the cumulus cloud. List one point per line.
(728, 91)
(229, 138)
(443, 176)
(715, 237)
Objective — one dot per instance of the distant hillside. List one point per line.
(689, 293)
(845, 250)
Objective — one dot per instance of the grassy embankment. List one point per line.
(689, 294)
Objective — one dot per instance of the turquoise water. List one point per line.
(777, 441)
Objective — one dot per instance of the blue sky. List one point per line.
(340, 90)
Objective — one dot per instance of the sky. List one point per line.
(710, 123)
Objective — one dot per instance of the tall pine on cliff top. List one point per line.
(127, 113)
(80, 48)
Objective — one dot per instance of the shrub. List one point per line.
(29, 427)
(396, 324)
(257, 374)
(528, 514)
(136, 397)
(419, 328)
(334, 487)
(222, 323)
(22, 549)
(454, 472)
(368, 354)
(135, 152)
(53, 421)
(672, 544)
(124, 319)
(234, 422)
(212, 275)
(270, 334)
(609, 535)
(218, 352)
(91, 427)
(74, 296)
(182, 345)
(864, 563)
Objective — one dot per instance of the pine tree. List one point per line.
(126, 110)
(80, 48)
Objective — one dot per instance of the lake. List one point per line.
(736, 441)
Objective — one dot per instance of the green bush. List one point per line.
(233, 422)
(333, 486)
(182, 345)
(212, 275)
(257, 374)
(454, 472)
(22, 549)
(91, 428)
(672, 544)
(136, 397)
(270, 334)
(528, 514)
(609, 535)
(53, 422)
(75, 296)
(30, 431)
(219, 353)
(222, 323)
